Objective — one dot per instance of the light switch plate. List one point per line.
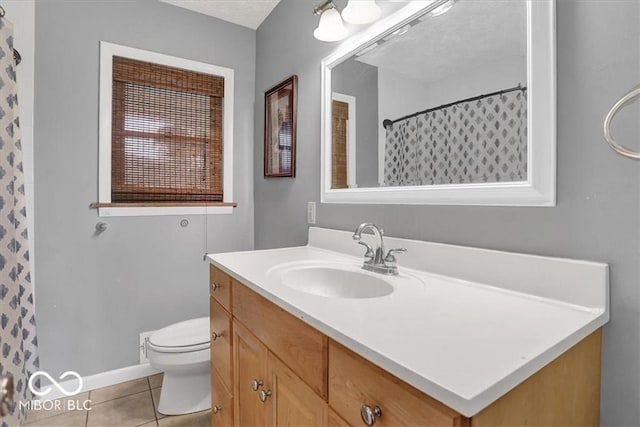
(311, 213)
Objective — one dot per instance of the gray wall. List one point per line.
(95, 294)
(596, 217)
(360, 80)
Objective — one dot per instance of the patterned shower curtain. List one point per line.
(484, 140)
(18, 344)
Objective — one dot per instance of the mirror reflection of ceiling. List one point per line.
(497, 27)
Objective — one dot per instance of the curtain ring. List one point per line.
(2, 13)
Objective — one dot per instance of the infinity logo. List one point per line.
(46, 390)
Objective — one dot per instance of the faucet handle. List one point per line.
(390, 257)
(369, 254)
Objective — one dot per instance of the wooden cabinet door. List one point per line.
(250, 363)
(221, 342)
(291, 402)
(221, 403)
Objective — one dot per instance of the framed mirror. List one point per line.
(455, 108)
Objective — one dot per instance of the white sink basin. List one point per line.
(335, 282)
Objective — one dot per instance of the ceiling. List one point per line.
(248, 13)
(471, 34)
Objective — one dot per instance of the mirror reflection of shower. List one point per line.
(451, 88)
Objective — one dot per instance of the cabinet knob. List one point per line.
(264, 395)
(255, 384)
(216, 409)
(214, 287)
(369, 415)
(215, 336)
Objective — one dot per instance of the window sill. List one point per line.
(162, 209)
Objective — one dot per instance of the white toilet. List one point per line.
(181, 351)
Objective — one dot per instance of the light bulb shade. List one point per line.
(361, 12)
(331, 28)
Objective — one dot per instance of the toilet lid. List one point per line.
(182, 334)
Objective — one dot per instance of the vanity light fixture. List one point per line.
(330, 28)
(442, 9)
(361, 12)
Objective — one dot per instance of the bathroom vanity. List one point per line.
(462, 336)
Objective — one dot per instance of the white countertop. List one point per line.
(464, 343)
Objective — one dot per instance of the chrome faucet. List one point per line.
(377, 260)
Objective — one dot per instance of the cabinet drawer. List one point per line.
(297, 344)
(354, 382)
(220, 287)
(221, 338)
(221, 403)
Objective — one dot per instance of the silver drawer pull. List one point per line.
(264, 395)
(369, 415)
(214, 287)
(216, 409)
(215, 336)
(256, 384)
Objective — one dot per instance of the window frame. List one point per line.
(107, 52)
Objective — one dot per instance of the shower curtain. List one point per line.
(482, 140)
(18, 343)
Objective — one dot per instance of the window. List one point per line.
(165, 134)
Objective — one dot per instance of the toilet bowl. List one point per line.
(181, 351)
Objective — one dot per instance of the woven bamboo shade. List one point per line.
(166, 134)
(340, 118)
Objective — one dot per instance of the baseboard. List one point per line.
(103, 379)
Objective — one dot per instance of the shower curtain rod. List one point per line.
(16, 55)
(388, 122)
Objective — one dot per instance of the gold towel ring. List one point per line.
(624, 151)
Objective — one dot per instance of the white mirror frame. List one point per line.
(540, 187)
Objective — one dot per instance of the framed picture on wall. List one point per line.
(280, 129)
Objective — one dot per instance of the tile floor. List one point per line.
(132, 403)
